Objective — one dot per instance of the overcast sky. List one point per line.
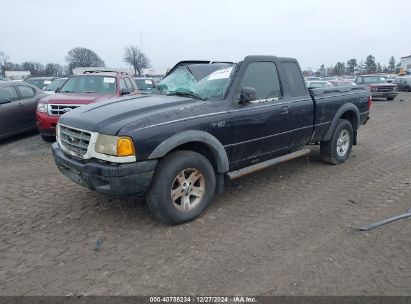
(314, 31)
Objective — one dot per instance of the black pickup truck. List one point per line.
(207, 122)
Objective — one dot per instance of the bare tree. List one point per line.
(136, 58)
(391, 64)
(82, 57)
(35, 68)
(53, 69)
(352, 65)
(339, 68)
(3, 61)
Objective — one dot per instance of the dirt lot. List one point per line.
(285, 230)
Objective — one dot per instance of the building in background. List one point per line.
(17, 75)
(405, 65)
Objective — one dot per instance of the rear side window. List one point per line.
(26, 92)
(8, 93)
(129, 84)
(295, 78)
(122, 84)
(263, 77)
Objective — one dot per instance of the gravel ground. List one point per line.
(286, 230)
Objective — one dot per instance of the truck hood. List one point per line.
(76, 98)
(109, 117)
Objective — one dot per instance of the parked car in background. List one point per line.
(349, 77)
(318, 84)
(80, 90)
(40, 82)
(329, 78)
(342, 82)
(312, 78)
(145, 84)
(18, 103)
(55, 85)
(204, 123)
(403, 83)
(378, 86)
(391, 78)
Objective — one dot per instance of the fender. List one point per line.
(345, 108)
(184, 137)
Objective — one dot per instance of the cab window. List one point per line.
(26, 92)
(129, 84)
(122, 84)
(8, 94)
(263, 77)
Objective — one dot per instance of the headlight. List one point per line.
(114, 145)
(42, 107)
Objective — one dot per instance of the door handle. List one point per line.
(20, 104)
(284, 110)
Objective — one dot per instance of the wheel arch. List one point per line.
(197, 141)
(349, 112)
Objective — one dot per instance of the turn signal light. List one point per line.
(125, 147)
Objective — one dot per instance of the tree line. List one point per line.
(76, 57)
(354, 66)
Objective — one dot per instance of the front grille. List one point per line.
(60, 109)
(74, 140)
(385, 89)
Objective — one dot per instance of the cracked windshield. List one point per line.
(182, 82)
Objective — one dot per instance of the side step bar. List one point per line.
(268, 163)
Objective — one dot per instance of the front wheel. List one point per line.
(48, 138)
(183, 186)
(338, 148)
(390, 98)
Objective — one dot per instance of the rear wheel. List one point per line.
(183, 186)
(390, 98)
(48, 138)
(338, 148)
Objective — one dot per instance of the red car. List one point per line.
(80, 90)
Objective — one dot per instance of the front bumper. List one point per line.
(384, 94)
(47, 123)
(109, 178)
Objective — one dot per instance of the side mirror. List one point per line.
(247, 95)
(5, 100)
(125, 91)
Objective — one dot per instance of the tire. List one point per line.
(171, 172)
(328, 149)
(48, 138)
(390, 98)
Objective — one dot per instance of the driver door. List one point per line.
(11, 120)
(259, 128)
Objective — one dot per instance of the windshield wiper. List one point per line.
(187, 93)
